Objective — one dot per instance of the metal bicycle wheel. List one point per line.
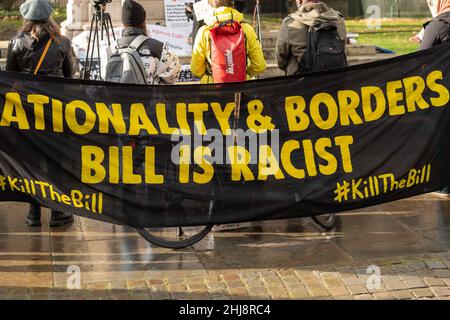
(181, 237)
(189, 204)
(326, 221)
(175, 238)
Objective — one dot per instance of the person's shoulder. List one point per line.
(437, 24)
(152, 42)
(247, 27)
(204, 28)
(152, 47)
(288, 19)
(64, 38)
(19, 36)
(442, 19)
(293, 22)
(337, 13)
(64, 41)
(18, 40)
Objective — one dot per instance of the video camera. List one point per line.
(96, 3)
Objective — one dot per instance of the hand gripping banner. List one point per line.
(164, 156)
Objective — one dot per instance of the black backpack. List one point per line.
(325, 49)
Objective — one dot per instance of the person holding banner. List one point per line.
(203, 64)
(39, 48)
(437, 31)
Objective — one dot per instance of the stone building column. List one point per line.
(79, 14)
(77, 17)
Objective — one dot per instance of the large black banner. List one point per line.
(201, 154)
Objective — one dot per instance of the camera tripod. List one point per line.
(100, 22)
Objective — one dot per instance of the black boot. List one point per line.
(58, 218)
(34, 215)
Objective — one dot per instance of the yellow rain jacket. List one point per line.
(256, 63)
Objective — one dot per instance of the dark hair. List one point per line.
(40, 29)
(222, 3)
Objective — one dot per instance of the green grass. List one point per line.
(388, 25)
(393, 35)
(397, 42)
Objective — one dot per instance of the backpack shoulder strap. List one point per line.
(113, 48)
(44, 53)
(156, 47)
(326, 25)
(304, 63)
(138, 41)
(133, 50)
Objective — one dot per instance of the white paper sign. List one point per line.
(202, 10)
(175, 14)
(176, 39)
(178, 29)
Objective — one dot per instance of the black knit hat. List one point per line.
(133, 14)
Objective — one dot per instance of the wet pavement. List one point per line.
(408, 240)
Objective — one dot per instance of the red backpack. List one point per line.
(228, 56)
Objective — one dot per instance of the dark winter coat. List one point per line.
(24, 53)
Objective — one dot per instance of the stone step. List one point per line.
(360, 50)
(272, 71)
(269, 53)
(360, 59)
(3, 48)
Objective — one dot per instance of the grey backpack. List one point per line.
(125, 63)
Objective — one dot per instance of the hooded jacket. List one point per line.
(293, 35)
(201, 54)
(161, 65)
(437, 31)
(24, 53)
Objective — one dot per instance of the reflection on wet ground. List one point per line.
(113, 259)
